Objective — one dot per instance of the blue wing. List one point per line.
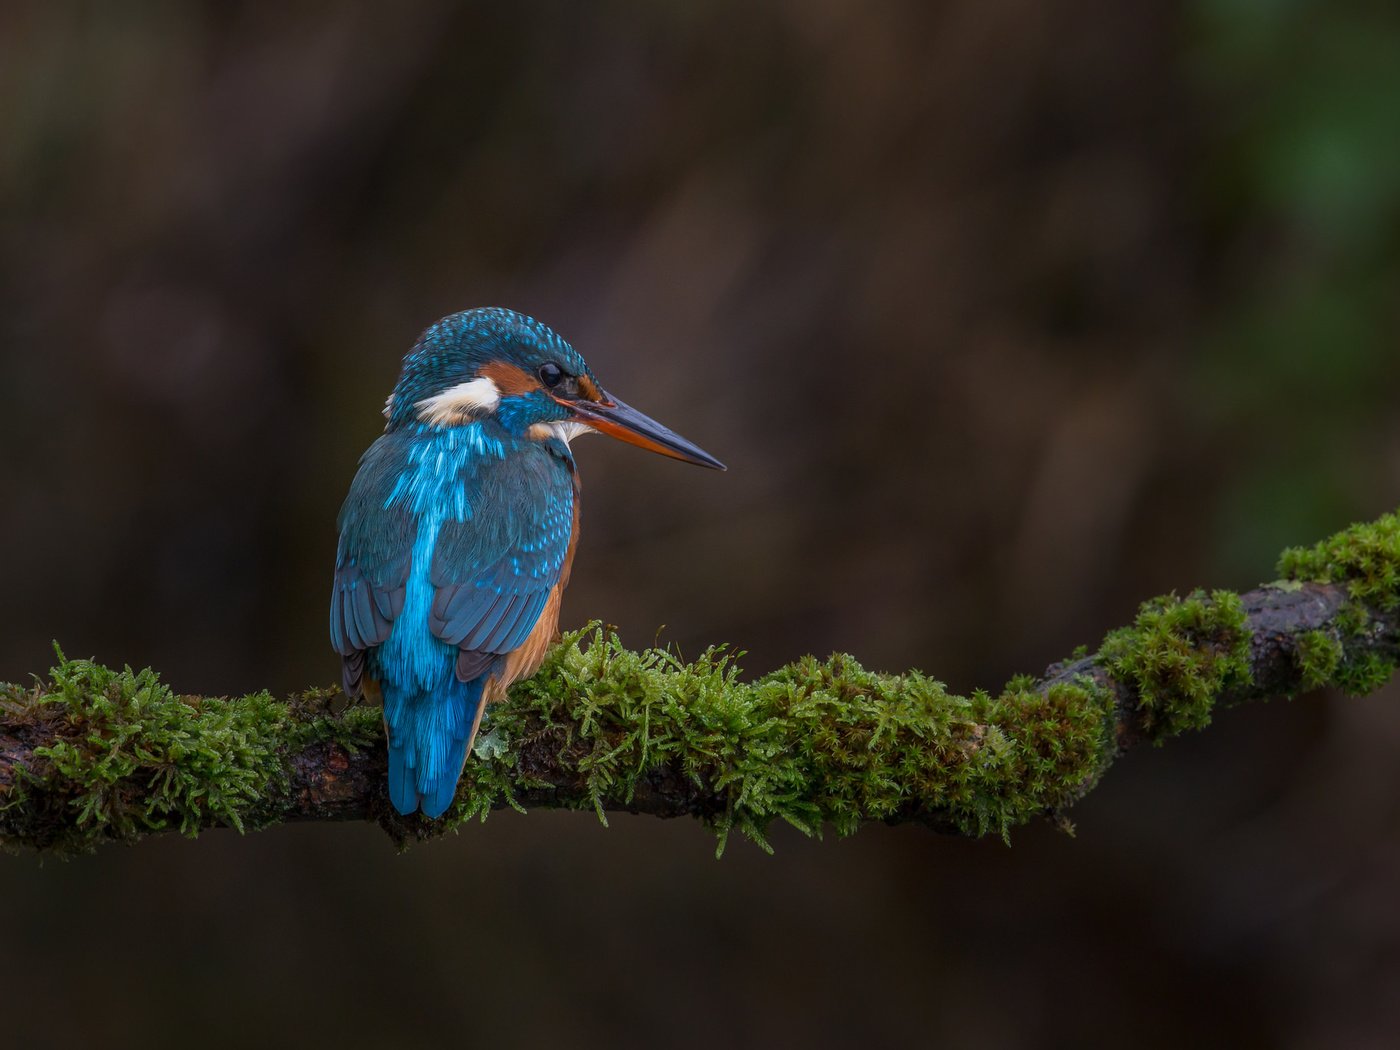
(492, 574)
(372, 561)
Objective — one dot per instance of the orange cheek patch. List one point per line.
(510, 380)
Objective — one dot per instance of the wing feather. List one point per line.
(372, 628)
(495, 571)
(472, 664)
(372, 562)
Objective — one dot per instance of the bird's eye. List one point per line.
(551, 374)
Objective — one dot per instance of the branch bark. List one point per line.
(95, 755)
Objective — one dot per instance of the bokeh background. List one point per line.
(1006, 316)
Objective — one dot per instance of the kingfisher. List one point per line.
(458, 534)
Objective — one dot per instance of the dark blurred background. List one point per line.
(1005, 315)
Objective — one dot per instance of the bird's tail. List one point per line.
(430, 734)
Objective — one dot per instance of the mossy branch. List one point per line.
(92, 754)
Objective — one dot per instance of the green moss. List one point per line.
(820, 742)
(1364, 674)
(1178, 656)
(1366, 557)
(129, 756)
(1353, 620)
(1318, 655)
(1060, 740)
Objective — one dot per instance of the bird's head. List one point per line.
(496, 364)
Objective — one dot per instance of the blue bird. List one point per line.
(458, 534)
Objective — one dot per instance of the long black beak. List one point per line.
(610, 416)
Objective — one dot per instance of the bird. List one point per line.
(458, 533)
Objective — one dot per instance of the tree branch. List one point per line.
(93, 755)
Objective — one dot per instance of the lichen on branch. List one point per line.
(91, 754)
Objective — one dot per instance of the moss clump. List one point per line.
(818, 742)
(1178, 656)
(1364, 674)
(129, 756)
(1060, 740)
(1365, 557)
(1318, 655)
(1353, 621)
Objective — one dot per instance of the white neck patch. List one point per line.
(461, 403)
(564, 429)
